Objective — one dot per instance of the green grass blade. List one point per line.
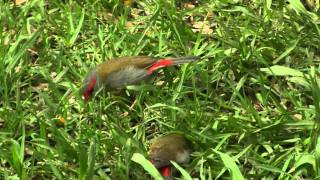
(13, 61)
(91, 160)
(317, 157)
(287, 51)
(277, 70)
(183, 172)
(147, 165)
(231, 165)
(76, 32)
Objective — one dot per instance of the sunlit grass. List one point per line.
(245, 116)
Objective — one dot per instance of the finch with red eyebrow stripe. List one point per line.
(122, 71)
(171, 147)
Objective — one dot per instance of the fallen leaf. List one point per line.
(189, 6)
(29, 151)
(17, 69)
(137, 13)
(129, 24)
(210, 14)
(298, 116)
(125, 114)
(72, 99)
(202, 26)
(33, 52)
(6, 41)
(128, 2)
(19, 2)
(53, 75)
(159, 83)
(108, 16)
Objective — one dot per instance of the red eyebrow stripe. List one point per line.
(165, 171)
(89, 89)
(160, 64)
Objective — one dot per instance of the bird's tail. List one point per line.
(171, 62)
(182, 60)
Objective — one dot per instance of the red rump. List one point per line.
(90, 88)
(160, 64)
(166, 171)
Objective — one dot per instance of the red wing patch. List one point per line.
(89, 88)
(160, 64)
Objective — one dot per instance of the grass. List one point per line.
(251, 107)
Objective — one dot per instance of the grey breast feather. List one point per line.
(127, 76)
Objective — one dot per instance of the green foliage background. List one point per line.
(251, 106)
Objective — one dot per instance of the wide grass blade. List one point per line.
(147, 165)
(230, 165)
(183, 172)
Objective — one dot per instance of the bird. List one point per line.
(310, 5)
(117, 73)
(171, 147)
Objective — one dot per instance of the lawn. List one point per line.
(250, 107)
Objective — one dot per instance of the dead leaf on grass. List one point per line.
(202, 26)
(189, 6)
(19, 2)
(128, 2)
